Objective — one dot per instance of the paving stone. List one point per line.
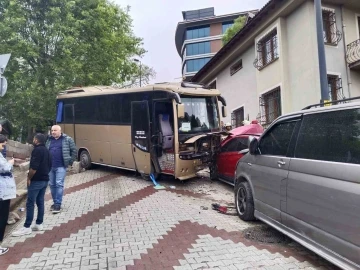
(120, 222)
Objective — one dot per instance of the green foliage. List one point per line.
(234, 29)
(56, 44)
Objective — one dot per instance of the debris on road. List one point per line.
(224, 209)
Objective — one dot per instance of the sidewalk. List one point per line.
(116, 221)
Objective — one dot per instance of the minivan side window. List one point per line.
(330, 136)
(277, 140)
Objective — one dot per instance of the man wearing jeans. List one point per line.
(63, 153)
(37, 182)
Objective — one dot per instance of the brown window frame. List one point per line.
(335, 87)
(267, 113)
(267, 50)
(235, 120)
(331, 34)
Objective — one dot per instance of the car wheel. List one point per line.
(244, 201)
(85, 160)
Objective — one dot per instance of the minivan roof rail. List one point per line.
(331, 102)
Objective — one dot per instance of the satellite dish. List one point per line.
(3, 86)
(4, 59)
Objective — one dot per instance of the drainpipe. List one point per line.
(321, 52)
(345, 49)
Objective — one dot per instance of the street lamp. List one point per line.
(137, 60)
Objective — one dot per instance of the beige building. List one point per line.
(271, 66)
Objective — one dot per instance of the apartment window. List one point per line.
(212, 85)
(195, 65)
(335, 87)
(236, 67)
(270, 106)
(198, 48)
(198, 32)
(267, 50)
(331, 35)
(237, 117)
(226, 25)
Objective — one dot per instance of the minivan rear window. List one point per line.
(331, 136)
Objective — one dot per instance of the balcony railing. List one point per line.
(353, 52)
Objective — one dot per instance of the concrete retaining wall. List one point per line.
(18, 150)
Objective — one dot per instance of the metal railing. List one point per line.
(332, 35)
(336, 89)
(270, 107)
(267, 51)
(353, 52)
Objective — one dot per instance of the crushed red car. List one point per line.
(234, 147)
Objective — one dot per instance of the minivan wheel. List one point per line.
(85, 160)
(244, 201)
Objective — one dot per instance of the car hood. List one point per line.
(197, 137)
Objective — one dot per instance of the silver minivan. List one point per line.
(302, 177)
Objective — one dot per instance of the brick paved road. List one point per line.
(114, 221)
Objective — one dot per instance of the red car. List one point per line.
(234, 147)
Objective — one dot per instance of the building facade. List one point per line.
(198, 37)
(271, 66)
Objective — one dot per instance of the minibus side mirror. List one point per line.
(223, 110)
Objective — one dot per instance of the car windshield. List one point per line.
(201, 114)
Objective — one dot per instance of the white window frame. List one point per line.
(237, 108)
(324, 8)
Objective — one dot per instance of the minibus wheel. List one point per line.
(85, 160)
(153, 171)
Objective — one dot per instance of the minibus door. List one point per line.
(140, 136)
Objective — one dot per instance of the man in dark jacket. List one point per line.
(37, 181)
(63, 153)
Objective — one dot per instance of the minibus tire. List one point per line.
(243, 189)
(85, 155)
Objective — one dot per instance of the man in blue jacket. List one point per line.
(63, 153)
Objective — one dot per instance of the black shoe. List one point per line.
(57, 209)
(52, 207)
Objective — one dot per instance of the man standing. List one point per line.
(63, 153)
(37, 182)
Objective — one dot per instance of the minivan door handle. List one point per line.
(281, 163)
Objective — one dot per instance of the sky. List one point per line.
(155, 21)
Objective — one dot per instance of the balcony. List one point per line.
(353, 55)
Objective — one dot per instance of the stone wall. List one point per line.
(18, 150)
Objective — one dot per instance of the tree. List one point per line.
(147, 73)
(57, 44)
(234, 29)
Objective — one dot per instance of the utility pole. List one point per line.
(137, 60)
(321, 53)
